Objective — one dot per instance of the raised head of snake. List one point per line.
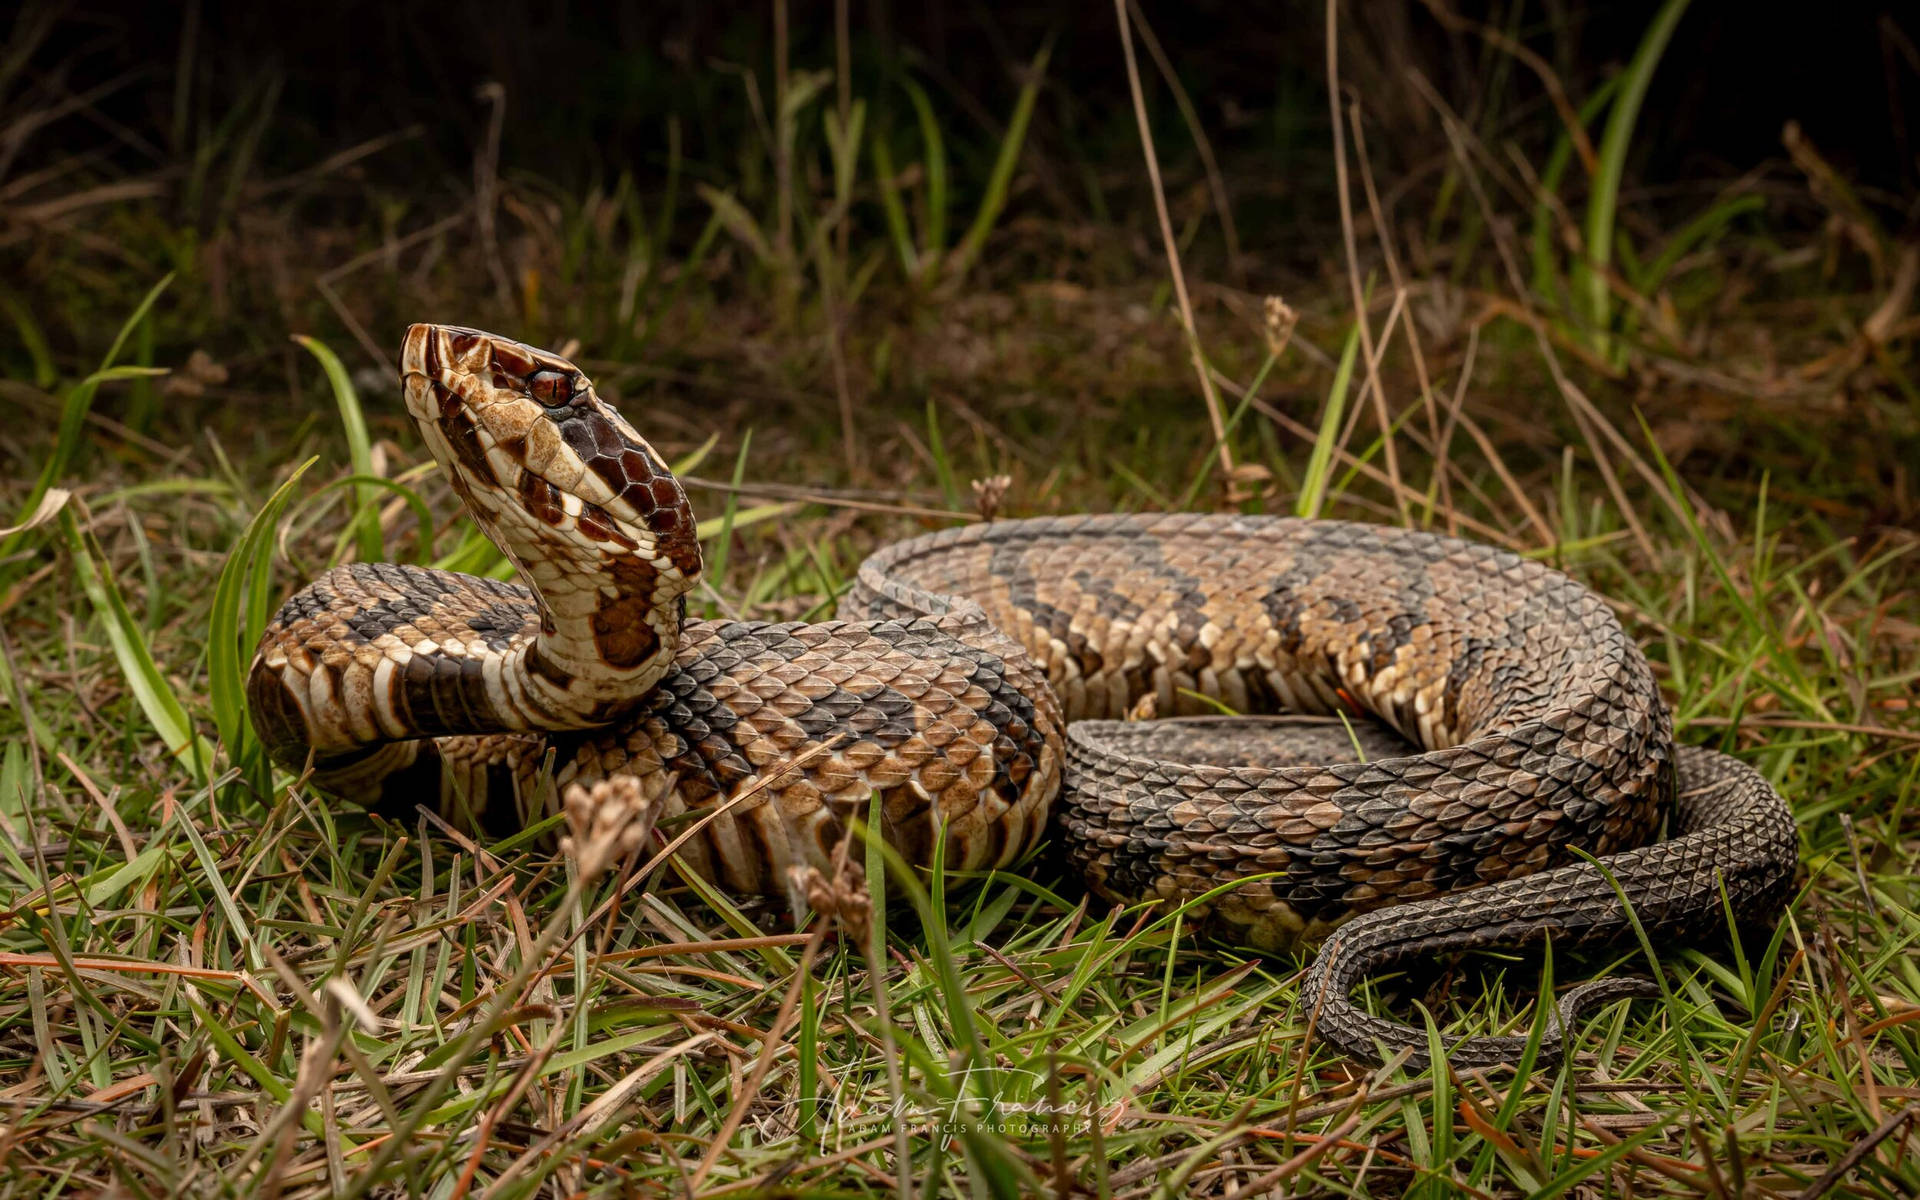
(584, 507)
(362, 670)
(401, 685)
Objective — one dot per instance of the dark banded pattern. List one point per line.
(1500, 727)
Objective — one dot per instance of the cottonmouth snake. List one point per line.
(976, 688)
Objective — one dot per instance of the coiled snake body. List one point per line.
(979, 688)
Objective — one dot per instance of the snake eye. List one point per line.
(554, 389)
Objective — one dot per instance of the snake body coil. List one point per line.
(979, 686)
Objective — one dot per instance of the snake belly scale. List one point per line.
(1511, 784)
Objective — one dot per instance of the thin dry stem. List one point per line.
(1385, 236)
(1216, 182)
(1586, 418)
(1358, 290)
(1173, 250)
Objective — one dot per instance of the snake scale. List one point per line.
(978, 683)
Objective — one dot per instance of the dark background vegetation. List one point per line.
(589, 84)
(267, 150)
(1724, 443)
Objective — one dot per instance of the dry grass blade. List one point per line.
(1167, 240)
(1358, 291)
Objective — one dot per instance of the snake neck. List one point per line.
(598, 527)
(371, 655)
(607, 635)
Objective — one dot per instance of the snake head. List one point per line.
(558, 479)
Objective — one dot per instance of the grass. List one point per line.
(213, 981)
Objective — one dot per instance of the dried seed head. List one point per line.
(989, 494)
(193, 379)
(606, 822)
(844, 898)
(1279, 318)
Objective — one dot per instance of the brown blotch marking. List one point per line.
(605, 453)
(599, 446)
(672, 522)
(512, 359)
(638, 467)
(598, 524)
(447, 399)
(620, 630)
(638, 477)
(464, 436)
(430, 360)
(541, 498)
(463, 343)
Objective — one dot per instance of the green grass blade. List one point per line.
(1313, 488)
(690, 462)
(670, 195)
(1233, 422)
(1440, 1132)
(715, 527)
(1546, 257)
(416, 504)
(1603, 204)
(232, 633)
(689, 271)
(723, 536)
(149, 686)
(1700, 229)
(15, 789)
(843, 146)
(73, 415)
(933, 169)
(33, 340)
(942, 463)
(734, 217)
(1001, 179)
(238, 926)
(1604, 1159)
(894, 210)
(142, 397)
(366, 520)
